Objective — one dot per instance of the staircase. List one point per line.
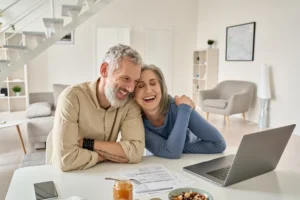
(19, 55)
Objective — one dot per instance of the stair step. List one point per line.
(49, 21)
(66, 8)
(4, 61)
(15, 47)
(55, 26)
(81, 2)
(32, 33)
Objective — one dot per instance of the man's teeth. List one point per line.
(148, 98)
(123, 93)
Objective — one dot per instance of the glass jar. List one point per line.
(123, 190)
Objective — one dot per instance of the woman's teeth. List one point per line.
(149, 98)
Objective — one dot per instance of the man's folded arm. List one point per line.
(111, 151)
(67, 153)
(133, 134)
(131, 147)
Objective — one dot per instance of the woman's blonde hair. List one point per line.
(165, 99)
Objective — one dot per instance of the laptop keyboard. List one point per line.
(220, 173)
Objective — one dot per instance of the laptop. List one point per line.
(257, 154)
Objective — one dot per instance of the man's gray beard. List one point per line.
(110, 93)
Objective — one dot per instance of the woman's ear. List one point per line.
(104, 70)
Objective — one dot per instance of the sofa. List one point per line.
(40, 115)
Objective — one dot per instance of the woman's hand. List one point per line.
(184, 100)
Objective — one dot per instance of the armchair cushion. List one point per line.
(40, 109)
(215, 103)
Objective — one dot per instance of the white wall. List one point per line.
(37, 70)
(276, 43)
(74, 63)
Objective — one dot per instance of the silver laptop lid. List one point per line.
(259, 153)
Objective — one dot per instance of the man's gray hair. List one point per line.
(117, 53)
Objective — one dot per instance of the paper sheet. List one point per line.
(155, 178)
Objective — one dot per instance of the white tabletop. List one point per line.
(10, 123)
(281, 184)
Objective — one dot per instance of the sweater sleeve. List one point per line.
(172, 147)
(210, 139)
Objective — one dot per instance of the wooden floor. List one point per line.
(11, 153)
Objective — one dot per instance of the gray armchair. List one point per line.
(227, 98)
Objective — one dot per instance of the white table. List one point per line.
(281, 184)
(16, 123)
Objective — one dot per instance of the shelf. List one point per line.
(14, 81)
(5, 97)
(17, 97)
(200, 79)
(199, 65)
(200, 50)
(204, 72)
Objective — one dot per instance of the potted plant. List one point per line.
(17, 90)
(210, 42)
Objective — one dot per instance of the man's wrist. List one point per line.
(88, 144)
(97, 144)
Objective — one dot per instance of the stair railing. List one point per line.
(12, 4)
(24, 14)
(32, 21)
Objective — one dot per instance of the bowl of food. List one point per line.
(189, 194)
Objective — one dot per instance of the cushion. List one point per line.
(215, 103)
(57, 89)
(39, 109)
(39, 128)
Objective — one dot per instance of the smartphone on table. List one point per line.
(45, 190)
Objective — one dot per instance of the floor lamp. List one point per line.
(264, 93)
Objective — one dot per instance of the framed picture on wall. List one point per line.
(240, 40)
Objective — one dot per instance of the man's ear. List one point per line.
(104, 70)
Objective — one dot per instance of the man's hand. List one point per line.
(184, 100)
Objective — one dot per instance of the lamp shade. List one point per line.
(264, 90)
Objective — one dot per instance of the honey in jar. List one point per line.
(123, 190)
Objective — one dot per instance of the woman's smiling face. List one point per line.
(148, 92)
